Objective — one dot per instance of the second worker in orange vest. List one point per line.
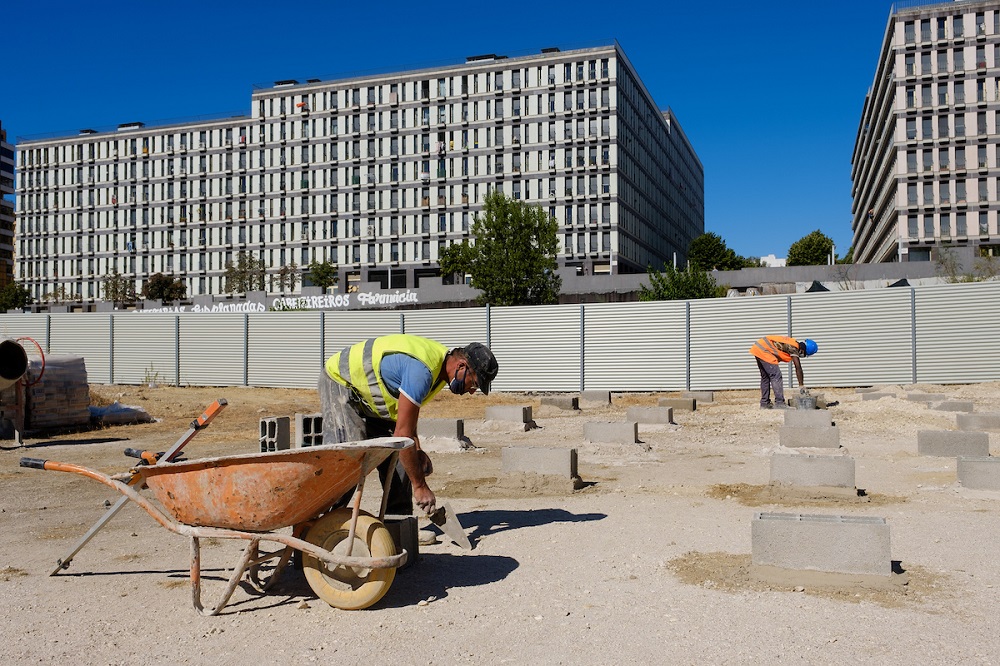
(769, 352)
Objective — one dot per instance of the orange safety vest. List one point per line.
(775, 349)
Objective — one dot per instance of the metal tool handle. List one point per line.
(33, 463)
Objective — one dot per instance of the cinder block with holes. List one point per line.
(834, 544)
(275, 433)
(308, 430)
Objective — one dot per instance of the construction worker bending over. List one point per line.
(772, 350)
(375, 388)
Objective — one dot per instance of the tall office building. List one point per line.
(6, 210)
(926, 163)
(375, 174)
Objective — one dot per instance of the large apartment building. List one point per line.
(375, 174)
(926, 163)
(6, 210)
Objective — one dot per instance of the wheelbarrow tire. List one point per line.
(349, 588)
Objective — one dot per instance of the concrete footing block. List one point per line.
(680, 404)
(701, 396)
(797, 469)
(981, 421)
(952, 443)
(308, 430)
(650, 414)
(955, 406)
(520, 415)
(835, 544)
(568, 402)
(808, 418)
(275, 433)
(450, 428)
(406, 535)
(809, 436)
(544, 460)
(876, 396)
(979, 472)
(611, 432)
(925, 397)
(595, 398)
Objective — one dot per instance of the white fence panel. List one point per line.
(537, 348)
(958, 333)
(212, 349)
(635, 346)
(346, 328)
(453, 327)
(722, 332)
(145, 348)
(864, 337)
(284, 349)
(86, 334)
(21, 325)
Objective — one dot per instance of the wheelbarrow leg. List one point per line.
(249, 553)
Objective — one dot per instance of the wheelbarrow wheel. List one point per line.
(349, 588)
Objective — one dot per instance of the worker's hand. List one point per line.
(803, 390)
(425, 462)
(425, 499)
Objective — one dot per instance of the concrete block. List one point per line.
(876, 396)
(834, 544)
(680, 404)
(406, 535)
(955, 406)
(595, 398)
(308, 430)
(701, 396)
(925, 397)
(452, 428)
(797, 469)
(866, 389)
(544, 460)
(517, 414)
(952, 443)
(650, 414)
(569, 402)
(611, 433)
(979, 472)
(808, 418)
(275, 434)
(981, 421)
(809, 436)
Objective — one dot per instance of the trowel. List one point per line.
(446, 519)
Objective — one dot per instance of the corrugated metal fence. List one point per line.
(934, 334)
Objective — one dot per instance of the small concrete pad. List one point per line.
(809, 436)
(980, 472)
(451, 428)
(308, 430)
(569, 402)
(650, 414)
(982, 421)
(701, 396)
(545, 460)
(955, 406)
(595, 398)
(798, 469)
(876, 396)
(925, 397)
(836, 544)
(611, 432)
(808, 418)
(680, 404)
(952, 443)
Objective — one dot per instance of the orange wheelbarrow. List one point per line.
(348, 556)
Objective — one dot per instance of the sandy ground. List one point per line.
(649, 562)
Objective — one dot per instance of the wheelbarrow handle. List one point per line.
(34, 463)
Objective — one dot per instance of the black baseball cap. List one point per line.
(483, 363)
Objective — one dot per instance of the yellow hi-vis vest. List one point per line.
(358, 366)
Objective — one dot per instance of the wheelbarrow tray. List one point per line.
(260, 492)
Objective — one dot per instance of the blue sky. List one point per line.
(770, 94)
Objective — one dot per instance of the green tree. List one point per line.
(323, 275)
(286, 278)
(848, 258)
(674, 285)
(59, 295)
(456, 261)
(811, 250)
(513, 261)
(118, 289)
(165, 288)
(709, 251)
(14, 297)
(247, 274)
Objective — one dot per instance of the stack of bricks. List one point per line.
(61, 398)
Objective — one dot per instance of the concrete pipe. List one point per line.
(13, 363)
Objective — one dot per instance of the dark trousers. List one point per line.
(400, 489)
(770, 377)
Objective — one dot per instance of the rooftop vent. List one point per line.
(485, 56)
(551, 49)
(312, 80)
(87, 131)
(128, 126)
(286, 82)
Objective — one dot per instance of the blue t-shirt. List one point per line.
(404, 374)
